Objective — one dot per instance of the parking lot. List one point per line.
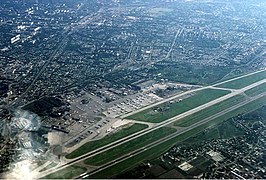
(131, 104)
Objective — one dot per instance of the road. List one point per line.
(173, 43)
(159, 125)
(52, 57)
(60, 47)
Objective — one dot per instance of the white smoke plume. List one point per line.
(20, 129)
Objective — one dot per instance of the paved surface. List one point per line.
(159, 125)
(141, 150)
(191, 91)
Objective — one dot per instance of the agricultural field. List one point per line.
(90, 146)
(244, 81)
(168, 110)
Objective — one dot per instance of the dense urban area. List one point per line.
(132, 89)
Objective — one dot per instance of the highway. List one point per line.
(159, 125)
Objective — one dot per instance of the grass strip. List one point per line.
(66, 173)
(51, 165)
(256, 90)
(90, 146)
(200, 115)
(130, 146)
(168, 110)
(161, 148)
(244, 81)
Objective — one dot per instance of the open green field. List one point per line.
(200, 115)
(159, 11)
(161, 148)
(242, 110)
(255, 116)
(130, 146)
(224, 130)
(66, 173)
(234, 73)
(244, 81)
(51, 165)
(168, 110)
(256, 90)
(90, 146)
(146, 155)
(227, 130)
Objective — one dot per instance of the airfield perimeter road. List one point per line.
(187, 92)
(162, 140)
(159, 125)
